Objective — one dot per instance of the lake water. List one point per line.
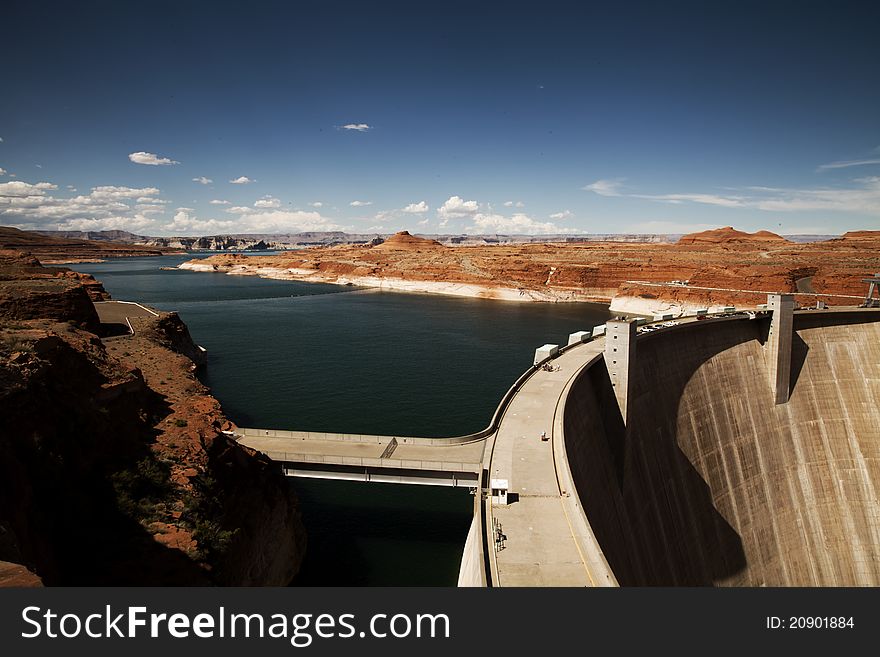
(308, 356)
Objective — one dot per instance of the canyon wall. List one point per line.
(114, 465)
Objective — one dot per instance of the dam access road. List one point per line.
(735, 450)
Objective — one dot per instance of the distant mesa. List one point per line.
(861, 235)
(403, 241)
(730, 234)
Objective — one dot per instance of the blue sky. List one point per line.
(375, 117)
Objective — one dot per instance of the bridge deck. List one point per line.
(366, 451)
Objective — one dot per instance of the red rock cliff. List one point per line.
(114, 468)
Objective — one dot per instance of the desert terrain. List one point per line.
(52, 250)
(717, 267)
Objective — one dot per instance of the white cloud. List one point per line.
(360, 204)
(864, 198)
(2, 171)
(514, 204)
(416, 208)
(845, 164)
(413, 208)
(186, 223)
(267, 202)
(316, 204)
(39, 166)
(218, 201)
(861, 197)
(150, 158)
(20, 188)
(455, 207)
(360, 127)
(149, 208)
(113, 192)
(519, 224)
(565, 214)
(283, 221)
(242, 180)
(203, 180)
(27, 205)
(130, 223)
(667, 227)
(424, 222)
(706, 199)
(238, 209)
(606, 187)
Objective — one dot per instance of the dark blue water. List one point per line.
(291, 355)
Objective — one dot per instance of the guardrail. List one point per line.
(367, 462)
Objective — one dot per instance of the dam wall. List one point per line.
(711, 482)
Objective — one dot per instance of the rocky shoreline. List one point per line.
(114, 465)
(715, 268)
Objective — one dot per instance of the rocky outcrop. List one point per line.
(115, 467)
(213, 243)
(48, 299)
(29, 291)
(169, 331)
(729, 234)
(16, 575)
(403, 241)
(861, 235)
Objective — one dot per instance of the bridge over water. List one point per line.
(390, 459)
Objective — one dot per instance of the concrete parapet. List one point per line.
(546, 351)
(779, 345)
(579, 336)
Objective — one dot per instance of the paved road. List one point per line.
(729, 289)
(547, 544)
(115, 312)
(464, 457)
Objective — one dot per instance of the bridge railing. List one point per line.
(366, 462)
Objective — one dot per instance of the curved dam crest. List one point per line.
(711, 482)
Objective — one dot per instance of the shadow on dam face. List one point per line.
(714, 484)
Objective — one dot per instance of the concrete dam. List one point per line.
(740, 449)
(710, 480)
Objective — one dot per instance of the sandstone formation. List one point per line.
(729, 234)
(114, 468)
(719, 267)
(59, 250)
